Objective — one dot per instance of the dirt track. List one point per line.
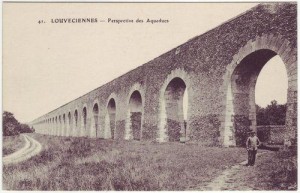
(31, 148)
(228, 180)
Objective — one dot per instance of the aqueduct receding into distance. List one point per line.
(217, 69)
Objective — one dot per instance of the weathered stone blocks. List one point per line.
(206, 64)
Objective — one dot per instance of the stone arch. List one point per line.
(95, 126)
(52, 126)
(69, 123)
(44, 126)
(135, 117)
(48, 126)
(240, 79)
(56, 126)
(64, 125)
(76, 117)
(172, 126)
(59, 125)
(110, 117)
(84, 121)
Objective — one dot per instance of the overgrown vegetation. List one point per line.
(273, 171)
(242, 127)
(284, 170)
(11, 144)
(11, 126)
(273, 114)
(96, 164)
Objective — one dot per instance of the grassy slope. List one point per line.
(11, 144)
(95, 164)
(273, 171)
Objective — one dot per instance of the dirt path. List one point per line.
(229, 180)
(31, 148)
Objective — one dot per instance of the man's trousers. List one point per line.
(251, 157)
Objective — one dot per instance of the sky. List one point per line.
(49, 64)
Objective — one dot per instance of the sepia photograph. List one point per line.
(123, 96)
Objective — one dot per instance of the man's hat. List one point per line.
(251, 131)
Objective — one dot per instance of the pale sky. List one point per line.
(48, 65)
(272, 83)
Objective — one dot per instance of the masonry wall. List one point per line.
(204, 64)
(271, 134)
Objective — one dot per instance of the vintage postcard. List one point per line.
(149, 96)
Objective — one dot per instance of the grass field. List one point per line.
(273, 171)
(12, 144)
(97, 164)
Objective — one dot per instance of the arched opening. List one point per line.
(76, 118)
(272, 83)
(135, 114)
(241, 97)
(64, 125)
(111, 110)
(59, 125)
(96, 118)
(174, 109)
(52, 126)
(56, 126)
(69, 123)
(271, 100)
(84, 116)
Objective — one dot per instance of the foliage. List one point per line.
(205, 129)
(136, 124)
(242, 126)
(80, 147)
(273, 114)
(11, 125)
(173, 130)
(24, 128)
(264, 134)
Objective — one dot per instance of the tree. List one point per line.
(273, 114)
(11, 125)
(24, 128)
(261, 118)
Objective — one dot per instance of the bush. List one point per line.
(242, 126)
(11, 125)
(24, 128)
(273, 114)
(80, 147)
(263, 134)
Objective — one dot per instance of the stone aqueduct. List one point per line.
(218, 69)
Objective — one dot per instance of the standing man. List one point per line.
(252, 144)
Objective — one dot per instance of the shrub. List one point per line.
(80, 147)
(11, 125)
(242, 126)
